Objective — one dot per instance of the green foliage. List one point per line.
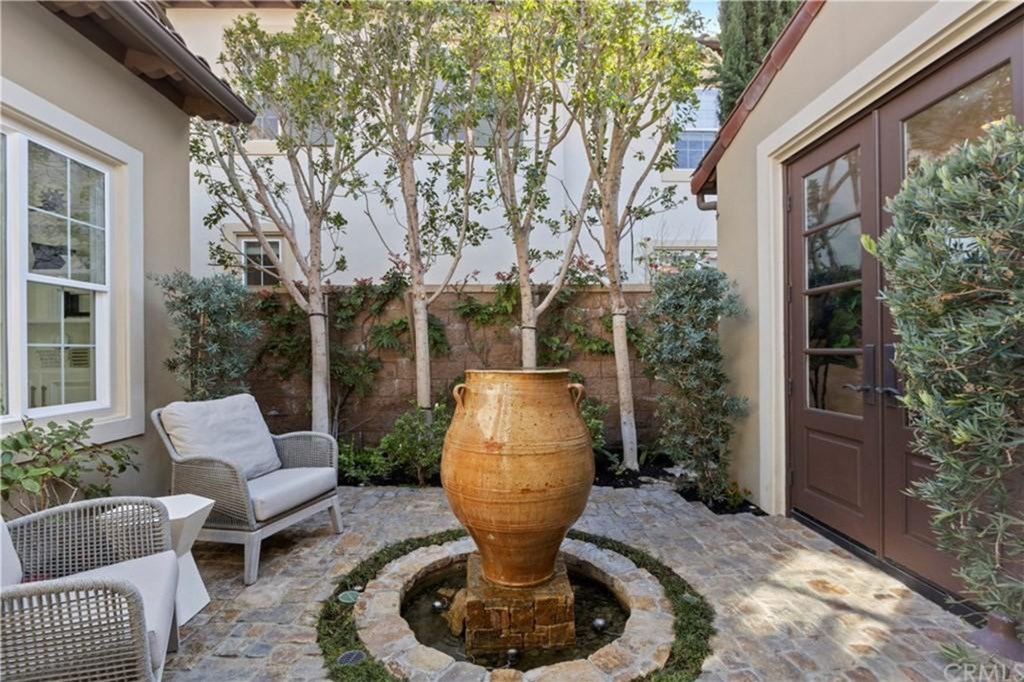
(954, 265)
(42, 468)
(216, 329)
(362, 465)
(693, 624)
(748, 30)
(415, 442)
(682, 349)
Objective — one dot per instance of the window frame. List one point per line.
(18, 265)
(243, 242)
(118, 412)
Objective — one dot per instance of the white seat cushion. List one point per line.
(286, 489)
(156, 577)
(10, 564)
(231, 428)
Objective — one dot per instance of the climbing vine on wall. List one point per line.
(357, 312)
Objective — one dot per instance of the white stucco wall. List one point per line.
(365, 252)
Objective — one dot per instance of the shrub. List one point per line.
(42, 468)
(415, 442)
(216, 330)
(954, 265)
(362, 465)
(681, 349)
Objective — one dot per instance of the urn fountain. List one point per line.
(517, 469)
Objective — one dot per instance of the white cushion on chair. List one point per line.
(156, 577)
(286, 489)
(230, 428)
(10, 564)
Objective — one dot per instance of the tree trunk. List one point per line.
(319, 364)
(528, 312)
(624, 381)
(421, 331)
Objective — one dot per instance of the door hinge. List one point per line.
(789, 478)
(789, 386)
(789, 203)
(789, 293)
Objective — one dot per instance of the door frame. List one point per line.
(1001, 44)
(939, 33)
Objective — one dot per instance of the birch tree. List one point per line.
(527, 124)
(293, 78)
(417, 65)
(635, 66)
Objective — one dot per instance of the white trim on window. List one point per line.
(118, 411)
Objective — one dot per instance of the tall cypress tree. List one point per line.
(748, 30)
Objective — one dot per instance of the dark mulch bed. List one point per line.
(689, 494)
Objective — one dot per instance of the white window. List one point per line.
(700, 127)
(59, 201)
(257, 268)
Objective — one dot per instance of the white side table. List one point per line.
(188, 514)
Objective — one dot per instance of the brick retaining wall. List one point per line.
(367, 418)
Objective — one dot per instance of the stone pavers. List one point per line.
(789, 604)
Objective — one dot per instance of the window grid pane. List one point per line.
(61, 345)
(691, 147)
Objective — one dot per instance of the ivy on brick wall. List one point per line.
(359, 310)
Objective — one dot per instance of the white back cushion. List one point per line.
(10, 564)
(230, 428)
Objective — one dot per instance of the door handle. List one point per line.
(890, 380)
(868, 387)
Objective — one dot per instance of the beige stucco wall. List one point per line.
(42, 54)
(841, 36)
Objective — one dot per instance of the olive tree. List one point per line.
(954, 268)
(417, 65)
(527, 124)
(633, 65)
(296, 78)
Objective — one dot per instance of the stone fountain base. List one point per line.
(501, 618)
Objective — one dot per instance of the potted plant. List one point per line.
(954, 266)
(44, 467)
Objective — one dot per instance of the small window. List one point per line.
(700, 125)
(259, 270)
(265, 126)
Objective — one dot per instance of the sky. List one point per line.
(709, 10)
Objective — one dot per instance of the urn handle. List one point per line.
(458, 392)
(578, 392)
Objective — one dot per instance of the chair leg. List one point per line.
(335, 511)
(252, 558)
(172, 639)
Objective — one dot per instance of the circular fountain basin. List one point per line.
(640, 647)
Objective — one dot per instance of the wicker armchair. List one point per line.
(88, 592)
(247, 510)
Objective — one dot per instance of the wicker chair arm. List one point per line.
(74, 629)
(81, 536)
(307, 449)
(220, 480)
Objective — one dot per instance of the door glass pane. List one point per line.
(826, 375)
(833, 191)
(88, 203)
(962, 116)
(47, 179)
(834, 254)
(834, 319)
(48, 244)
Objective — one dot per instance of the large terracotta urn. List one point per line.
(517, 468)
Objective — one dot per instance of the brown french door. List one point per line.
(849, 440)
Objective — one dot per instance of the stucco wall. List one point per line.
(367, 256)
(42, 54)
(841, 36)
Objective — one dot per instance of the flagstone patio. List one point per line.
(789, 603)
